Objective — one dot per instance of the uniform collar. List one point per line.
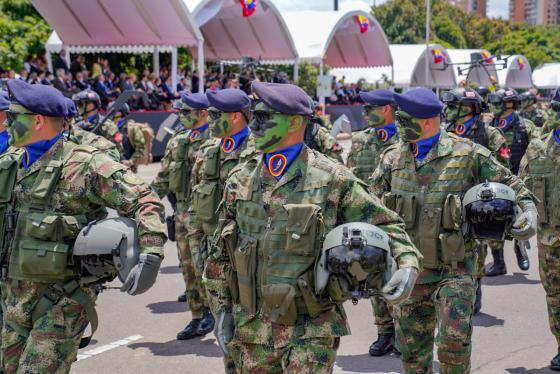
(386, 132)
(195, 133)
(35, 151)
(504, 123)
(279, 162)
(464, 129)
(231, 143)
(92, 118)
(4, 141)
(421, 148)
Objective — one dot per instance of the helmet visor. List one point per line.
(490, 219)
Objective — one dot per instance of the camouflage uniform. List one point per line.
(326, 144)
(280, 324)
(80, 136)
(540, 169)
(445, 291)
(108, 130)
(88, 181)
(362, 160)
(536, 115)
(175, 177)
(552, 121)
(135, 139)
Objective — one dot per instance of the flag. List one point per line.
(438, 56)
(363, 22)
(249, 7)
(486, 56)
(520, 63)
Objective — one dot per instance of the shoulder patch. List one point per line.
(104, 166)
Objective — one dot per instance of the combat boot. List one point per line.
(182, 297)
(383, 345)
(498, 267)
(478, 299)
(521, 254)
(206, 324)
(190, 331)
(555, 363)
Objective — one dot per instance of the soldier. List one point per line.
(463, 112)
(540, 169)
(55, 186)
(423, 178)
(231, 144)
(530, 110)
(276, 206)
(318, 138)
(518, 132)
(175, 178)
(134, 142)
(367, 146)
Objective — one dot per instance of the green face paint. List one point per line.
(457, 114)
(408, 127)
(269, 128)
(220, 123)
(20, 127)
(496, 110)
(188, 118)
(373, 115)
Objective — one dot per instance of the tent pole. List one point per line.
(221, 68)
(428, 14)
(193, 66)
(296, 70)
(156, 61)
(321, 98)
(201, 66)
(174, 69)
(49, 60)
(67, 57)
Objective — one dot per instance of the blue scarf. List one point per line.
(4, 138)
(195, 133)
(92, 118)
(279, 161)
(386, 132)
(557, 136)
(120, 123)
(503, 126)
(36, 150)
(421, 148)
(463, 129)
(231, 143)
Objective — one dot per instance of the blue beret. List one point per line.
(37, 98)
(4, 100)
(419, 102)
(228, 100)
(195, 100)
(71, 110)
(378, 97)
(285, 98)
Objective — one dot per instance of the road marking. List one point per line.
(108, 347)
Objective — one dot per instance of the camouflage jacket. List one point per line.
(536, 115)
(136, 141)
(326, 144)
(80, 136)
(441, 174)
(540, 170)
(552, 121)
(365, 152)
(313, 180)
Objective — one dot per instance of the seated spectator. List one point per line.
(81, 83)
(60, 83)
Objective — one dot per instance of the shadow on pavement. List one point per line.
(502, 280)
(487, 320)
(168, 307)
(364, 363)
(197, 347)
(529, 371)
(170, 270)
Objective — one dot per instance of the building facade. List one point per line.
(535, 12)
(476, 6)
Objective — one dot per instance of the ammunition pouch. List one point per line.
(170, 222)
(245, 259)
(205, 200)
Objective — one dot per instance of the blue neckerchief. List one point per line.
(231, 143)
(120, 123)
(92, 118)
(506, 122)
(386, 132)
(279, 161)
(36, 150)
(421, 148)
(4, 138)
(557, 136)
(463, 129)
(195, 133)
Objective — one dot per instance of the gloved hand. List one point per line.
(224, 330)
(400, 285)
(525, 226)
(143, 275)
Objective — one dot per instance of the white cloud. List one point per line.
(498, 8)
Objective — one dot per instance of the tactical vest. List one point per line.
(180, 170)
(432, 211)
(518, 141)
(368, 157)
(42, 247)
(480, 135)
(9, 164)
(277, 248)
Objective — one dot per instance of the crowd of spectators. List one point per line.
(346, 93)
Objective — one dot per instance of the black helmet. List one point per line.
(483, 91)
(464, 96)
(81, 99)
(124, 109)
(527, 98)
(489, 210)
(504, 95)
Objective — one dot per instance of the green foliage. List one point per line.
(308, 74)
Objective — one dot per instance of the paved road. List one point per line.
(137, 334)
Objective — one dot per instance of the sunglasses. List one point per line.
(215, 114)
(262, 116)
(405, 118)
(11, 116)
(368, 108)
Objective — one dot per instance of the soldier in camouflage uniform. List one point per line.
(276, 206)
(540, 170)
(133, 139)
(530, 110)
(175, 178)
(318, 138)
(367, 146)
(231, 144)
(463, 112)
(57, 184)
(423, 178)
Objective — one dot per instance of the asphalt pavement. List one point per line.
(136, 335)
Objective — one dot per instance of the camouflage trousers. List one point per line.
(482, 252)
(50, 344)
(196, 295)
(313, 355)
(383, 315)
(447, 304)
(549, 270)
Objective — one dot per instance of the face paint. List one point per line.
(20, 127)
(220, 124)
(457, 114)
(188, 118)
(269, 129)
(496, 109)
(408, 127)
(373, 115)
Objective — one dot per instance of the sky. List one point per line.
(496, 8)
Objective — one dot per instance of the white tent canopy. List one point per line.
(230, 36)
(99, 24)
(518, 73)
(409, 64)
(479, 73)
(547, 76)
(335, 38)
